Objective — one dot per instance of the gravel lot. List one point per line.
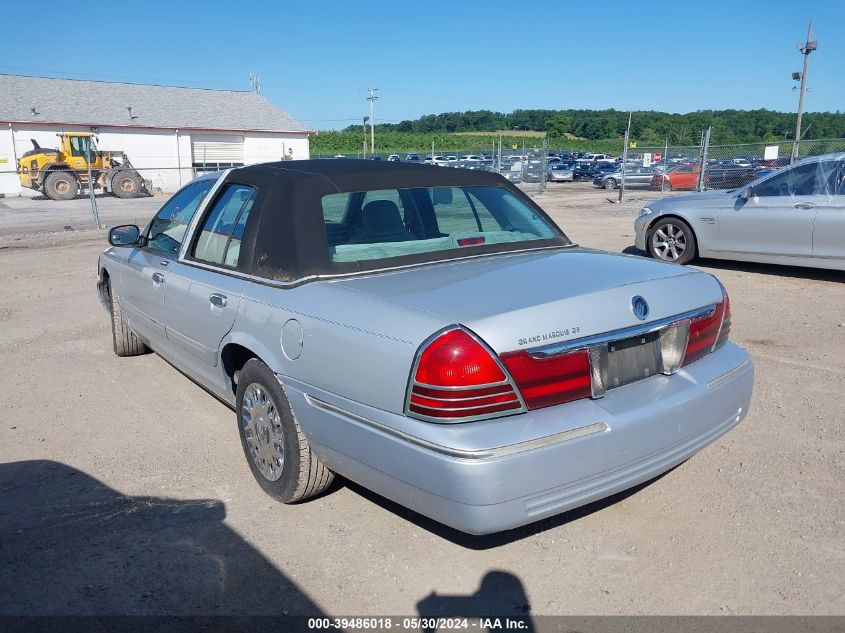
(125, 485)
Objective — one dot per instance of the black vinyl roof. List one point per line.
(362, 175)
(285, 235)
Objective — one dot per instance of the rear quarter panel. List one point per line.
(354, 345)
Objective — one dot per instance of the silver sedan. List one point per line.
(560, 173)
(794, 216)
(428, 333)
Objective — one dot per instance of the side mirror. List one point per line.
(748, 193)
(125, 235)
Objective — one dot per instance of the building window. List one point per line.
(202, 168)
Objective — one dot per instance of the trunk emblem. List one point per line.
(639, 307)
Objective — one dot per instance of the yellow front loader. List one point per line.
(61, 174)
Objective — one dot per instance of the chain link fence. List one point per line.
(532, 165)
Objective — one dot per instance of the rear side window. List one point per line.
(219, 240)
(402, 222)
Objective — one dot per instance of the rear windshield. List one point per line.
(371, 225)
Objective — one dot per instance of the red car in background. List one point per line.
(680, 177)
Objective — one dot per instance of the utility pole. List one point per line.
(366, 118)
(372, 97)
(625, 158)
(809, 46)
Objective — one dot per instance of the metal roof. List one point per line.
(102, 103)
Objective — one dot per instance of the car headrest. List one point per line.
(382, 216)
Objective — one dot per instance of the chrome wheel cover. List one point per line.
(262, 428)
(669, 242)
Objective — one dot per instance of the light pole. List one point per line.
(805, 50)
(372, 99)
(366, 118)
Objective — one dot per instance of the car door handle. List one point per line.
(803, 205)
(218, 300)
(158, 278)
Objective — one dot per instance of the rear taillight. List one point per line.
(544, 382)
(725, 330)
(708, 333)
(456, 378)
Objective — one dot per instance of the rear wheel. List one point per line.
(278, 453)
(610, 183)
(126, 184)
(60, 185)
(125, 342)
(672, 240)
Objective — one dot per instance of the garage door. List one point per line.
(212, 152)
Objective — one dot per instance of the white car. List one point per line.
(440, 161)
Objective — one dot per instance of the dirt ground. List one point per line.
(125, 485)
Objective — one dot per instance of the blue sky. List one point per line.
(432, 56)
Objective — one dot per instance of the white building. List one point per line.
(168, 133)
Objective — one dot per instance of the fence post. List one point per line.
(543, 164)
(94, 209)
(625, 158)
(499, 165)
(705, 146)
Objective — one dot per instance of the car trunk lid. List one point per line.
(539, 298)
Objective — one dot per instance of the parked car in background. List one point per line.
(679, 177)
(532, 170)
(440, 161)
(635, 176)
(412, 158)
(764, 167)
(793, 216)
(396, 325)
(393, 158)
(474, 158)
(583, 171)
(729, 174)
(560, 172)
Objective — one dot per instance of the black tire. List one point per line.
(126, 184)
(303, 475)
(670, 228)
(61, 185)
(610, 183)
(126, 343)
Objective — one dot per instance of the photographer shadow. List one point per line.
(499, 604)
(70, 545)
